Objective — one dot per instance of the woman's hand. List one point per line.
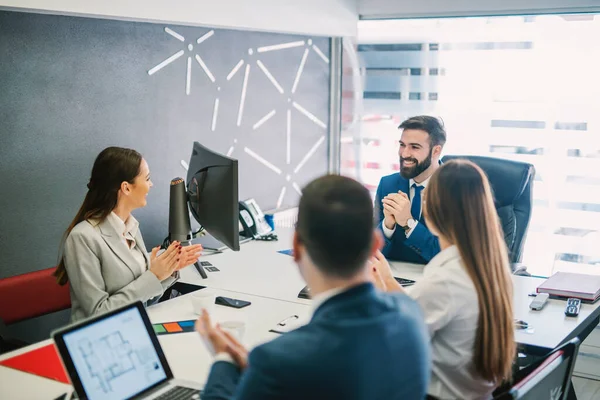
(381, 274)
(189, 255)
(166, 263)
(377, 279)
(222, 341)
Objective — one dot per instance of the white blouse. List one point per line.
(129, 230)
(450, 305)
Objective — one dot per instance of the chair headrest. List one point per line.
(508, 178)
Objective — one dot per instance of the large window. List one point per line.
(521, 88)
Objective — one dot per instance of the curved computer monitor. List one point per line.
(212, 185)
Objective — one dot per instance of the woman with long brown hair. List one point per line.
(103, 255)
(466, 290)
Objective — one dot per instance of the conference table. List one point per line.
(259, 269)
(271, 282)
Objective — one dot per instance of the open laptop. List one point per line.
(117, 356)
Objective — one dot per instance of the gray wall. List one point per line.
(70, 86)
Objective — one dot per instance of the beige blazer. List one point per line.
(103, 273)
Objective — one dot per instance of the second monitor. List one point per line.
(212, 186)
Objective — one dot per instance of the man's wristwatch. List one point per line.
(411, 223)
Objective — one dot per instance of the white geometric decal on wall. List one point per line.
(245, 66)
(291, 103)
(278, 87)
(190, 48)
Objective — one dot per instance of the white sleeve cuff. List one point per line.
(386, 231)
(408, 232)
(224, 357)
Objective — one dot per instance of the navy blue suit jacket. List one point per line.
(421, 246)
(360, 344)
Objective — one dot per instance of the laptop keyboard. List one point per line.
(180, 393)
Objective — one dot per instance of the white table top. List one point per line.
(259, 270)
(271, 281)
(256, 269)
(185, 352)
(548, 328)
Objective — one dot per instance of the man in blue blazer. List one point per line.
(359, 344)
(398, 202)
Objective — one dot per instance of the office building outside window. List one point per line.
(519, 88)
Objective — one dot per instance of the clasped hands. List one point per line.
(396, 209)
(173, 259)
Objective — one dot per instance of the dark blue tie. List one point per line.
(415, 207)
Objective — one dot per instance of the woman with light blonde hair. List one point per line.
(466, 290)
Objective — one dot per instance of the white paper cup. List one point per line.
(236, 328)
(203, 299)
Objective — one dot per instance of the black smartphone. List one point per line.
(185, 288)
(229, 302)
(179, 289)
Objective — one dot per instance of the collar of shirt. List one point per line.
(130, 226)
(424, 183)
(323, 297)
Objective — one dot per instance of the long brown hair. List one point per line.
(113, 166)
(460, 206)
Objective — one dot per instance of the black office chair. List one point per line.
(549, 378)
(512, 183)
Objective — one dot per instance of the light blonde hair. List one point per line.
(459, 204)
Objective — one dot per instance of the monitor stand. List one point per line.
(209, 242)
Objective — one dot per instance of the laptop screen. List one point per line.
(114, 357)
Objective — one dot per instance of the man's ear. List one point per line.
(377, 241)
(437, 151)
(296, 247)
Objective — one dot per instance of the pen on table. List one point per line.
(282, 323)
(521, 324)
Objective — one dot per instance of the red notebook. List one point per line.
(568, 284)
(44, 361)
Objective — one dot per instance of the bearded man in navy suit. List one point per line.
(398, 202)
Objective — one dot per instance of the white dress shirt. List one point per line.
(411, 194)
(129, 230)
(450, 305)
